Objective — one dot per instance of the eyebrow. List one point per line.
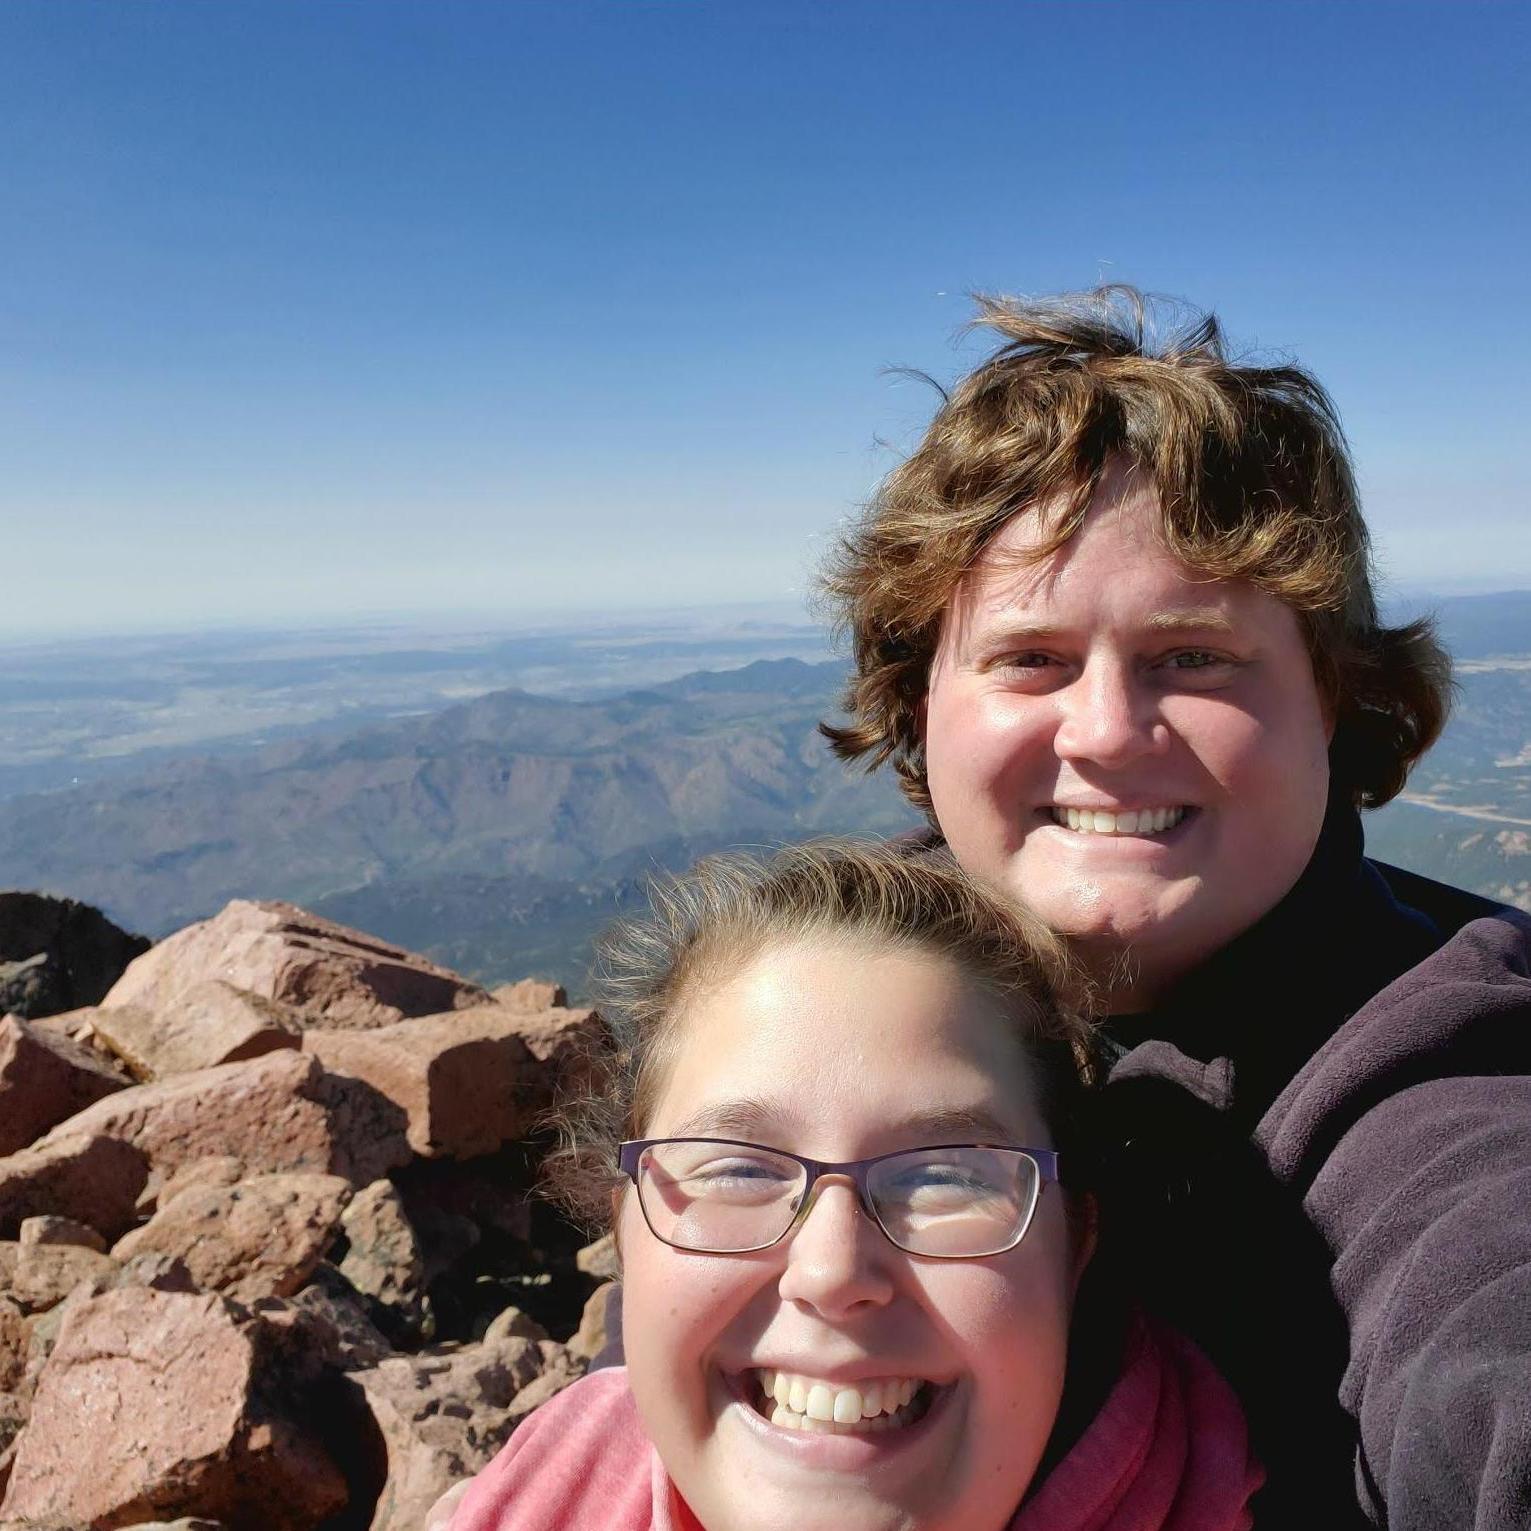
(748, 1116)
(1189, 619)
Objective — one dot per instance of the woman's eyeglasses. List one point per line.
(958, 1201)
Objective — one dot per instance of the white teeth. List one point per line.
(1098, 821)
(803, 1403)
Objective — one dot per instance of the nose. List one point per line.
(837, 1256)
(1108, 716)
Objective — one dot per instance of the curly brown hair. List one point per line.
(1254, 483)
(704, 927)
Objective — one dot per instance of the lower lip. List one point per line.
(843, 1453)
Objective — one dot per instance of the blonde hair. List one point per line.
(1254, 483)
(702, 927)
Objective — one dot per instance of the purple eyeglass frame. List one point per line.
(630, 1154)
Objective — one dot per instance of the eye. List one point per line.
(1192, 659)
(738, 1177)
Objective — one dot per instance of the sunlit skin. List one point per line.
(1111, 676)
(842, 1051)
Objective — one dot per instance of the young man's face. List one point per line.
(1138, 752)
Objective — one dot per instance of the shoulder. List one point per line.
(581, 1459)
(1461, 1015)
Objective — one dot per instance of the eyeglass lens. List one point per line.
(956, 1203)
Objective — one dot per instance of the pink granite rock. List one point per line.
(591, 1337)
(384, 1261)
(442, 1416)
(93, 1178)
(13, 1346)
(44, 1079)
(207, 1024)
(280, 1112)
(155, 1405)
(283, 953)
(467, 1081)
(531, 994)
(260, 1238)
(60, 1230)
(47, 1273)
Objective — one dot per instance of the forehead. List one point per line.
(833, 1040)
(1115, 568)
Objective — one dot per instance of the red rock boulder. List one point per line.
(155, 1405)
(468, 1081)
(93, 1178)
(277, 1113)
(208, 1024)
(261, 1237)
(44, 1080)
(282, 953)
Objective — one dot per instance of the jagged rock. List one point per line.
(560, 1367)
(92, 1178)
(534, 994)
(60, 1230)
(468, 1081)
(13, 1346)
(46, 1274)
(56, 954)
(384, 1261)
(205, 1025)
(513, 1324)
(276, 1113)
(333, 1306)
(44, 1080)
(600, 1260)
(281, 952)
(160, 1273)
(591, 1337)
(217, 1170)
(260, 1238)
(442, 1417)
(157, 1404)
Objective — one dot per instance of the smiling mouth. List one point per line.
(796, 1402)
(1097, 821)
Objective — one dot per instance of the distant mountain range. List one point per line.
(501, 830)
(500, 833)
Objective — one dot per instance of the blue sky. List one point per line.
(320, 309)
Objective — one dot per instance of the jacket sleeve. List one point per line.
(1410, 1135)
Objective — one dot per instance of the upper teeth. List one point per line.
(815, 1400)
(1143, 821)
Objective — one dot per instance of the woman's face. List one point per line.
(841, 1051)
(1137, 751)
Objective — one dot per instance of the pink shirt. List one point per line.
(1167, 1452)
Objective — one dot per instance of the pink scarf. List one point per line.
(1167, 1452)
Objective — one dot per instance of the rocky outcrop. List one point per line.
(274, 1113)
(56, 954)
(261, 1237)
(297, 1276)
(467, 1082)
(44, 1080)
(281, 953)
(153, 1401)
(207, 1024)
